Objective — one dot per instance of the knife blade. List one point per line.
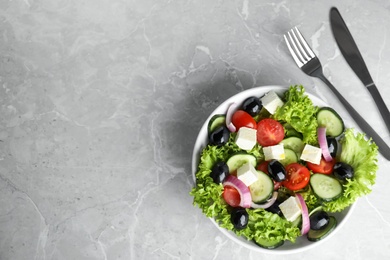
(352, 55)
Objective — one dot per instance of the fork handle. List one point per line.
(364, 126)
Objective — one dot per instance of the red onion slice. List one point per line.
(268, 204)
(321, 132)
(305, 215)
(229, 115)
(243, 190)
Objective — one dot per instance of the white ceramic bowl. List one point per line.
(302, 243)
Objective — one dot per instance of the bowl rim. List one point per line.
(201, 142)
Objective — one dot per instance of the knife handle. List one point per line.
(380, 103)
(384, 149)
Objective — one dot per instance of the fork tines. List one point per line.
(298, 47)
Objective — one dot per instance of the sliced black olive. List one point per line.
(276, 170)
(219, 172)
(332, 145)
(319, 220)
(219, 136)
(252, 106)
(274, 208)
(343, 171)
(239, 218)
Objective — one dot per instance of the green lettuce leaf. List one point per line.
(299, 111)
(264, 225)
(361, 154)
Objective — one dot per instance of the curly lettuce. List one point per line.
(361, 154)
(264, 225)
(299, 111)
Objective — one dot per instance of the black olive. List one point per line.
(276, 170)
(219, 136)
(319, 220)
(252, 106)
(343, 171)
(239, 218)
(332, 145)
(219, 172)
(274, 208)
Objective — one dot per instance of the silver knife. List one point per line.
(355, 60)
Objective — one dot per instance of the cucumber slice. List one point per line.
(315, 235)
(239, 159)
(262, 189)
(215, 121)
(325, 187)
(297, 222)
(267, 244)
(290, 157)
(329, 118)
(294, 143)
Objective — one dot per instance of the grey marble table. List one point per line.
(101, 103)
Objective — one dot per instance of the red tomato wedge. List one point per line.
(241, 118)
(297, 178)
(269, 132)
(231, 196)
(324, 167)
(264, 168)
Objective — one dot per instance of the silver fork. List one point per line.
(308, 62)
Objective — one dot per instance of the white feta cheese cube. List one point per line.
(311, 154)
(246, 138)
(247, 174)
(290, 208)
(271, 101)
(274, 152)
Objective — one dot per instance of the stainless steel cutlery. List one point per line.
(308, 62)
(355, 60)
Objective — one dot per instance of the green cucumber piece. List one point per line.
(290, 157)
(215, 121)
(294, 143)
(267, 244)
(329, 118)
(325, 187)
(297, 222)
(239, 159)
(315, 235)
(262, 189)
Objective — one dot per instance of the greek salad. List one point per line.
(277, 167)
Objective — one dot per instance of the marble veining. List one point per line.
(101, 102)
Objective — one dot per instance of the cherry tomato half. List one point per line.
(264, 168)
(231, 196)
(298, 176)
(269, 132)
(241, 118)
(324, 167)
